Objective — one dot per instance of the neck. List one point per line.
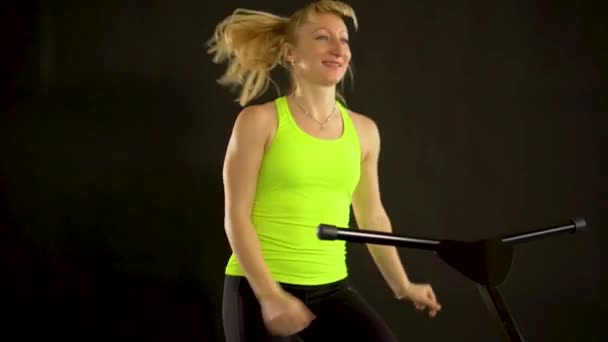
(318, 101)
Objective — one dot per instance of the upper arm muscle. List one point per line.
(367, 203)
(242, 161)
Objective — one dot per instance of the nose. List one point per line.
(337, 48)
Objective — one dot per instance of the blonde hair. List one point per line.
(251, 43)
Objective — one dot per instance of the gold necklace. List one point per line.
(312, 117)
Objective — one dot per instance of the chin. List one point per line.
(329, 80)
(325, 79)
(329, 83)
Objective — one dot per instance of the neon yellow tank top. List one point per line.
(304, 181)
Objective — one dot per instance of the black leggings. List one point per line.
(341, 314)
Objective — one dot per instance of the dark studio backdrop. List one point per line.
(113, 132)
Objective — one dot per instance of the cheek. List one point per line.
(312, 57)
(347, 56)
(317, 52)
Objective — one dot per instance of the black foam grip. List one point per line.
(580, 224)
(327, 232)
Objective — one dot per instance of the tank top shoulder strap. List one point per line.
(282, 112)
(350, 132)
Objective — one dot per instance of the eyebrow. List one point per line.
(324, 28)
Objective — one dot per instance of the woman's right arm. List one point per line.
(244, 153)
(283, 313)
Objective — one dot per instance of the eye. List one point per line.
(322, 38)
(345, 40)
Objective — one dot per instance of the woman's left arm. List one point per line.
(370, 214)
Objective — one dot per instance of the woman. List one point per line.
(291, 164)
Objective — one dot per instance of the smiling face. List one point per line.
(320, 51)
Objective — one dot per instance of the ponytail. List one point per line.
(251, 43)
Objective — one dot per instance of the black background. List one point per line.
(113, 132)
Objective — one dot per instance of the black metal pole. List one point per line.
(577, 224)
(498, 309)
(329, 232)
(488, 290)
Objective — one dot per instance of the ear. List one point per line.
(289, 52)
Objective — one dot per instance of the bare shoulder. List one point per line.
(369, 136)
(365, 125)
(255, 124)
(258, 116)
